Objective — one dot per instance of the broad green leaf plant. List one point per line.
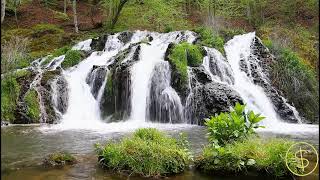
(228, 127)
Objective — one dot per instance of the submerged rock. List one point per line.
(59, 159)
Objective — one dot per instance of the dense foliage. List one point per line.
(235, 149)
(292, 76)
(232, 126)
(252, 154)
(148, 152)
(210, 38)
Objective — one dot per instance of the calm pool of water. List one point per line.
(23, 148)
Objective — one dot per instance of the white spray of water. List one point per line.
(141, 72)
(239, 48)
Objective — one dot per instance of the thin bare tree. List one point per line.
(3, 9)
(75, 18)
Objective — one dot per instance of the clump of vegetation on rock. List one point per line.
(148, 153)
(234, 149)
(253, 154)
(59, 159)
(73, 57)
(10, 90)
(31, 99)
(183, 55)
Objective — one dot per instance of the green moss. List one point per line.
(253, 154)
(33, 107)
(147, 153)
(49, 75)
(61, 16)
(59, 159)
(109, 84)
(183, 55)
(58, 52)
(41, 29)
(73, 57)
(10, 90)
(210, 38)
(8, 34)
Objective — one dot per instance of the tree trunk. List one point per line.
(3, 9)
(65, 7)
(75, 18)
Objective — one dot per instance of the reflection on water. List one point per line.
(23, 148)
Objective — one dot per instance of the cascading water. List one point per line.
(141, 72)
(239, 48)
(150, 94)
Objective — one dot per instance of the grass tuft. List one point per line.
(148, 153)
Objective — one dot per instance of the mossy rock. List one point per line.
(72, 58)
(180, 56)
(13, 87)
(59, 159)
(33, 106)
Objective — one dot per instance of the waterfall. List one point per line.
(83, 110)
(141, 72)
(239, 49)
(141, 84)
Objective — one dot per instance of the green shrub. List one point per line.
(147, 153)
(253, 154)
(232, 126)
(32, 102)
(73, 57)
(59, 159)
(210, 38)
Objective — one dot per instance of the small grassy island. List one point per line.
(148, 152)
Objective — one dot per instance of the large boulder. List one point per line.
(208, 97)
(96, 78)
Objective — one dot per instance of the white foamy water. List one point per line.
(141, 72)
(83, 110)
(253, 95)
(140, 76)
